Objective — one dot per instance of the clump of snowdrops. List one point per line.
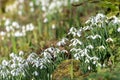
(95, 45)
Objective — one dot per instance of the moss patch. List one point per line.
(63, 70)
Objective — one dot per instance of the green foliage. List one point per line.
(105, 74)
(85, 56)
(112, 7)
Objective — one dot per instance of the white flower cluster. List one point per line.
(75, 42)
(18, 6)
(62, 42)
(13, 67)
(75, 45)
(13, 28)
(47, 6)
(75, 32)
(83, 55)
(100, 20)
(50, 53)
(53, 6)
(83, 45)
(36, 61)
(12, 7)
(115, 20)
(94, 36)
(19, 66)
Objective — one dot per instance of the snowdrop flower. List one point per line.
(89, 68)
(94, 58)
(109, 40)
(21, 53)
(100, 16)
(20, 59)
(31, 4)
(72, 31)
(35, 63)
(53, 26)
(15, 72)
(45, 20)
(15, 24)
(32, 56)
(42, 66)
(12, 55)
(75, 32)
(94, 62)
(29, 27)
(75, 42)
(32, 9)
(89, 47)
(20, 12)
(87, 61)
(64, 51)
(79, 32)
(35, 73)
(62, 42)
(4, 74)
(14, 65)
(7, 28)
(2, 33)
(5, 63)
(118, 29)
(51, 52)
(98, 65)
(52, 6)
(101, 47)
(7, 22)
(115, 20)
(47, 55)
(77, 56)
(103, 65)
(44, 8)
(75, 50)
(87, 28)
(88, 21)
(94, 36)
(18, 34)
(84, 52)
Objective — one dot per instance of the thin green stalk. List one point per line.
(71, 70)
(14, 42)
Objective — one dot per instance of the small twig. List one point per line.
(79, 4)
